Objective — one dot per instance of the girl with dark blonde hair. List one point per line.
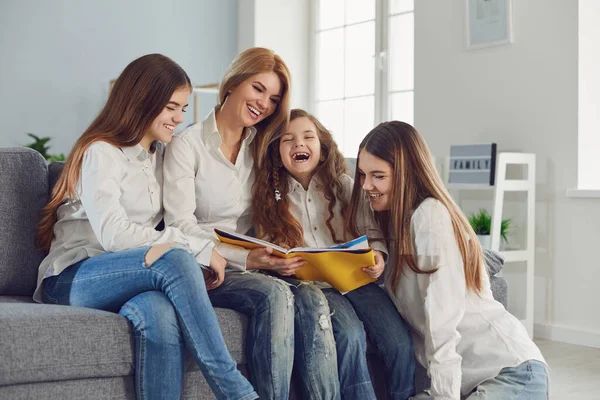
(469, 344)
(300, 197)
(105, 249)
(208, 180)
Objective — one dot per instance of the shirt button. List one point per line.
(315, 228)
(239, 199)
(309, 200)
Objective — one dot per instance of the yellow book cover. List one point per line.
(340, 266)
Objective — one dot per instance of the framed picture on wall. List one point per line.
(489, 23)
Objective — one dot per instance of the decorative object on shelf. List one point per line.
(481, 223)
(472, 164)
(489, 23)
(41, 146)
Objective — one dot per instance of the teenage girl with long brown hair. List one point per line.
(300, 198)
(469, 344)
(105, 251)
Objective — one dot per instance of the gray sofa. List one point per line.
(50, 351)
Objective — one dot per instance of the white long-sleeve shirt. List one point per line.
(461, 337)
(118, 206)
(310, 209)
(204, 190)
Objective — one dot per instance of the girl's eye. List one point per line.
(258, 89)
(379, 176)
(274, 101)
(184, 110)
(170, 108)
(309, 137)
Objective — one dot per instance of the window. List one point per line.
(363, 66)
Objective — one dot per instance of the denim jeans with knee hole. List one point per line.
(315, 358)
(168, 305)
(365, 310)
(269, 305)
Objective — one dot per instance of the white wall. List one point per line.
(57, 57)
(523, 96)
(282, 26)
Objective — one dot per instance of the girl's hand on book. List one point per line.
(217, 266)
(376, 270)
(263, 258)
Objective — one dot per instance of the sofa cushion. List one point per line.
(23, 193)
(41, 342)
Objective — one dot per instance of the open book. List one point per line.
(340, 266)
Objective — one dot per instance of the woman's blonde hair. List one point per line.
(257, 60)
(415, 179)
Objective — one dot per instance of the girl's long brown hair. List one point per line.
(271, 218)
(138, 96)
(257, 60)
(415, 179)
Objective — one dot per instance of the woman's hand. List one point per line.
(217, 271)
(263, 258)
(376, 270)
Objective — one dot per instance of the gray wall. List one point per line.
(57, 57)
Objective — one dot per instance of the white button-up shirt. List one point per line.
(118, 206)
(310, 209)
(204, 190)
(461, 337)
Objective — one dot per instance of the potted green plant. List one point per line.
(481, 223)
(41, 146)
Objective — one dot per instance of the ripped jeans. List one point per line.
(367, 310)
(269, 305)
(168, 305)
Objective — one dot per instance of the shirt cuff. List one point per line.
(235, 255)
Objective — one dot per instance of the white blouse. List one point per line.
(204, 190)
(118, 206)
(309, 208)
(461, 337)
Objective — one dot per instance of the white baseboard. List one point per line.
(566, 334)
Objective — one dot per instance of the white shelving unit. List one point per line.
(503, 185)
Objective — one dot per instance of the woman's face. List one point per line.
(376, 180)
(256, 98)
(163, 126)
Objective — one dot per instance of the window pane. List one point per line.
(398, 6)
(331, 14)
(402, 107)
(359, 120)
(331, 64)
(360, 63)
(359, 11)
(402, 56)
(331, 115)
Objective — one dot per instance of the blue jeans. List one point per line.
(268, 303)
(368, 309)
(527, 381)
(168, 305)
(390, 337)
(316, 360)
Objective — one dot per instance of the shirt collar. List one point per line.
(137, 152)
(212, 137)
(294, 185)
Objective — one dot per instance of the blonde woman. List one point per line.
(208, 180)
(469, 344)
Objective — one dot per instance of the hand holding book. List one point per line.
(341, 266)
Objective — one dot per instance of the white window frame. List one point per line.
(382, 90)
